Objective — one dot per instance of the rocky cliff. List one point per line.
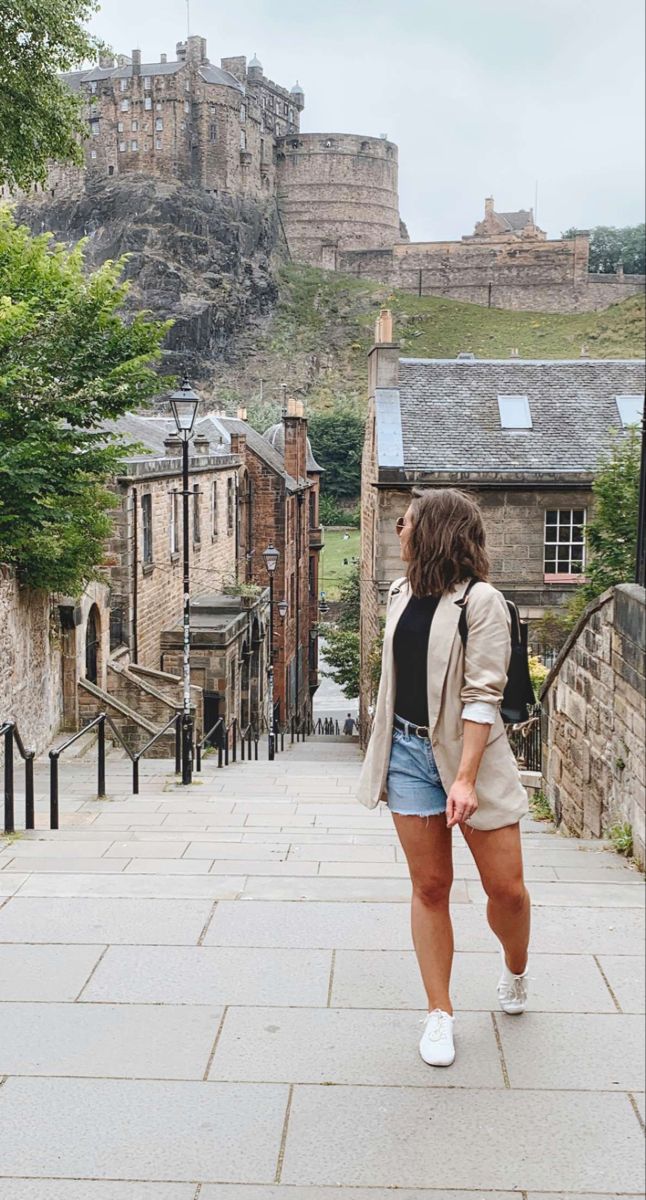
(206, 262)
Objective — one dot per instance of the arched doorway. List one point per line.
(92, 645)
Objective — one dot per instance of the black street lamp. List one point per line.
(184, 404)
(282, 607)
(271, 556)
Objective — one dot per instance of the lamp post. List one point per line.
(184, 404)
(271, 556)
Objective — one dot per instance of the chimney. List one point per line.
(383, 359)
(163, 58)
(238, 443)
(514, 353)
(136, 62)
(106, 61)
(195, 51)
(173, 445)
(241, 413)
(180, 51)
(201, 444)
(489, 206)
(295, 427)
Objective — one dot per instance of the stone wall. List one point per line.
(524, 273)
(30, 663)
(337, 191)
(594, 700)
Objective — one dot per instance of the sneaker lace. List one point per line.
(435, 1021)
(514, 989)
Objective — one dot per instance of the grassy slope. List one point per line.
(333, 570)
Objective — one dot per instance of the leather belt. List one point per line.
(420, 731)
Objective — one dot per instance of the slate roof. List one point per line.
(445, 416)
(209, 72)
(214, 426)
(275, 435)
(516, 220)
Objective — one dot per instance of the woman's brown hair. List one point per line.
(446, 542)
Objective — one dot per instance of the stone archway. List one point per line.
(93, 645)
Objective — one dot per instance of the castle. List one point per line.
(234, 132)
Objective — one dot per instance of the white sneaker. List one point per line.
(436, 1046)
(512, 990)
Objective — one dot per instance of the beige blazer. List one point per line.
(455, 677)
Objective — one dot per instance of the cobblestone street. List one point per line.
(210, 994)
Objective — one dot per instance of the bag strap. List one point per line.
(463, 625)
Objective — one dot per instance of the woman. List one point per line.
(438, 752)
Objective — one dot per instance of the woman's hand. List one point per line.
(461, 802)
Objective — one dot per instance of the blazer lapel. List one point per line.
(440, 643)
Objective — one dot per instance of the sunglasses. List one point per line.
(399, 525)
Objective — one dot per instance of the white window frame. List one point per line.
(148, 103)
(515, 412)
(134, 145)
(125, 105)
(559, 566)
(123, 85)
(159, 124)
(158, 143)
(147, 83)
(134, 127)
(122, 147)
(630, 407)
(243, 139)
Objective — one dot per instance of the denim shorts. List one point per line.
(413, 783)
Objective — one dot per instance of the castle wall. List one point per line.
(520, 273)
(337, 191)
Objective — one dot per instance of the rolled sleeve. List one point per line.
(484, 712)
(488, 649)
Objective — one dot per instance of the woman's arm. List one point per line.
(462, 800)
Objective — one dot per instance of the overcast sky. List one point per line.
(483, 97)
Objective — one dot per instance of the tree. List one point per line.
(610, 247)
(68, 363)
(611, 533)
(350, 600)
(342, 657)
(40, 118)
(337, 442)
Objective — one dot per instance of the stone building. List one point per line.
(594, 735)
(524, 437)
(278, 504)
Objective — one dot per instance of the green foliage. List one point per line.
(68, 363)
(540, 807)
(611, 532)
(342, 657)
(538, 673)
(350, 601)
(610, 247)
(40, 118)
(331, 513)
(337, 442)
(621, 837)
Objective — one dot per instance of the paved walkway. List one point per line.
(212, 996)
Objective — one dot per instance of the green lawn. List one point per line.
(336, 549)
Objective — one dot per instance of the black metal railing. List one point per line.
(11, 738)
(175, 720)
(248, 735)
(205, 740)
(99, 724)
(526, 742)
(326, 727)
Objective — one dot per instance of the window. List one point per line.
(147, 83)
(243, 113)
(147, 522)
(158, 106)
(564, 541)
(148, 103)
(213, 132)
(92, 153)
(134, 126)
(93, 88)
(243, 139)
(214, 509)
(125, 105)
(159, 124)
(134, 145)
(122, 147)
(123, 84)
(94, 128)
(120, 127)
(631, 409)
(197, 523)
(173, 529)
(230, 506)
(286, 109)
(187, 106)
(158, 144)
(514, 412)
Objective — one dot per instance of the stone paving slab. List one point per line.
(205, 975)
(390, 979)
(577, 895)
(626, 975)
(357, 926)
(406, 1137)
(85, 1189)
(10, 881)
(45, 973)
(25, 847)
(65, 866)
(233, 1191)
(109, 1041)
(149, 1130)
(130, 885)
(156, 922)
(326, 1045)
(604, 1052)
(362, 888)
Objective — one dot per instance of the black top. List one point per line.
(410, 648)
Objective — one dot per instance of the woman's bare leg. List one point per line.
(427, 844)
(498, 857)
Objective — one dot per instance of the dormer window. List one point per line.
(631, 409)
(514, 412)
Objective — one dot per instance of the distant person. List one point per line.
(438, 754)
(349, 724)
